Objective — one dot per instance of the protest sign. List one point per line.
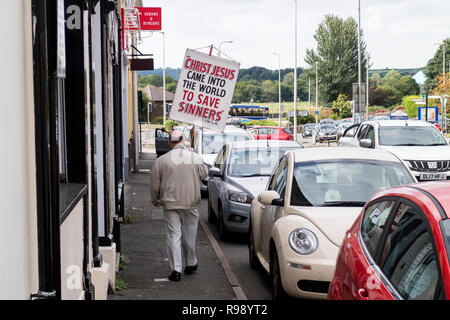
(205, 90)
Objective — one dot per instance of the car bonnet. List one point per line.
(333, 222)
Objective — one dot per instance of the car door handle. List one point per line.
(363, 294)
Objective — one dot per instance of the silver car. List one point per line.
(240, 172)
(207, 143)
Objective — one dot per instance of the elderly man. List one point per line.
(175, 184)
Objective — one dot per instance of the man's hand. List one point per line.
(156, 203)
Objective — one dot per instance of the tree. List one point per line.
(337, 57)
(341, 107)
(383, 96)
(434, 66)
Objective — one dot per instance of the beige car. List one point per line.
(312, 198)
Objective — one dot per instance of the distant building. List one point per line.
(156, 98)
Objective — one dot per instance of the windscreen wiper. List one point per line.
(343, 204)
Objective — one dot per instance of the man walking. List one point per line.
(175, 185)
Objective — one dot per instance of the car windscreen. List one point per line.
(410, 136)
(344, 182)
(254, 161)
(213, 142)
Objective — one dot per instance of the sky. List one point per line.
(398, 33)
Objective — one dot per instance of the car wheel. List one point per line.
(278, 292)
(253, 259)
(211, 215)
(223, 232)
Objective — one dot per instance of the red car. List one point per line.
(271, 133)
(398, 248)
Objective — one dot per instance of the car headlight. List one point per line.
(239, 197)
(303, 241)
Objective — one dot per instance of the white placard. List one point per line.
(205, 90)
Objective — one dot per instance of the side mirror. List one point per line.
(268, 197)
(215, 172)
(365, 143)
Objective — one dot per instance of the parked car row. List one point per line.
(312, 198)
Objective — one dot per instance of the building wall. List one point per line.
(72, 255)
(18, 233)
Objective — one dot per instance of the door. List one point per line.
(161, 142)
(270, 213)
(408, 258)
(216, 183)
(362, 281)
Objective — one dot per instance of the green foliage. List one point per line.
(258, 123)
(170, 124)
(302, 120)
(123, 261)
(434, 65)
(158, 120)
(336, 55)
(157, 80)
(383, 96)
(410, 106)
(121, 284)
(130, 219)
(341, 106)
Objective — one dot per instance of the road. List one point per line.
(255, 284)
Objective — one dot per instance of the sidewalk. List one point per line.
(144, 245)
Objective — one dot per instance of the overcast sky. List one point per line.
(399, 33)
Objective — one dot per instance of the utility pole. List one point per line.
(359, 57)
(295, 77)
(317, 93)
(309, 95)
(279, 87)
(367, 91)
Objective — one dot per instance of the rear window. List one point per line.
(288, 131)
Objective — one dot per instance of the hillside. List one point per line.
(260, 74)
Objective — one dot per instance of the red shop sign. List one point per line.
(149, 19)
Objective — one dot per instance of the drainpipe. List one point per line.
(47, 163)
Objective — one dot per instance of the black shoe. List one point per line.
(190, 270)
(175, 276)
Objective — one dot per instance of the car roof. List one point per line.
(271, 127)
(265, 143)
(334, 153)
(401, 123)
(440, 191)
(228, 129)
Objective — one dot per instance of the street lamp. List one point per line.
(359, 60)
(220, 45)
(164, 76)
(317, 92)
(295, 77)
(279, 86)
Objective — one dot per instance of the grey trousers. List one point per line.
(181, 226)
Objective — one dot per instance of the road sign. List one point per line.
(317, 111)
(205, 90)
(303, 113)
(356, 96)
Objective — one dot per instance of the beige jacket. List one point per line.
(175, 179)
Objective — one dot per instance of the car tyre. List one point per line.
(223, 231)
(252, 257)
(211, 215)
(278, 292)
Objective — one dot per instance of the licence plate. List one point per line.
(433, 176)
